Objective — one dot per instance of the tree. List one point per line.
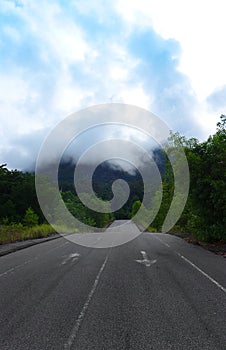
(205, 212)
(30, 218)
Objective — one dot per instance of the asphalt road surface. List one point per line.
(155, 292)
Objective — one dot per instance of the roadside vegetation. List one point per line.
(18, 232)
(21, 217)
(204, 216)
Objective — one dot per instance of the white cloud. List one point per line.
(59, 37)
(69, 68)
(68, 96)
(118, 73)
(14, 97)
(199, 27)
(135, 96)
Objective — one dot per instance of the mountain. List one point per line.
(104, 176)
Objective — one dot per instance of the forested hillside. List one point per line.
(205, 213)
(204, 216)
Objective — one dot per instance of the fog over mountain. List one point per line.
(57, 58)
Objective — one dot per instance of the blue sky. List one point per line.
(57, 57)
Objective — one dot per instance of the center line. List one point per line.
(81, 316)
(160, 240)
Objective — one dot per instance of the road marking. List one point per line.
(6, 272)
(145, 260)
(81, 316)
(160, 240)
(12, 269)
(196, 267)
(72, 257)
(202, 272)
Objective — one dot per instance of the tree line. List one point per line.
(204, 215)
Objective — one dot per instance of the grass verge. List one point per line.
(18, 232)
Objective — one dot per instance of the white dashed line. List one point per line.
(81, 316)
(159, 239)
(12, 269)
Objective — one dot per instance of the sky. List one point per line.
(58, 57)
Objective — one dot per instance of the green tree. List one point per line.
(30, 217)
(207, 162)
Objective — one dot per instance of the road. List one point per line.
(155, 292)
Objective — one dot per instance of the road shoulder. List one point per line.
(13, 247)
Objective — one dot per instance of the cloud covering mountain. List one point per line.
(58, 57)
